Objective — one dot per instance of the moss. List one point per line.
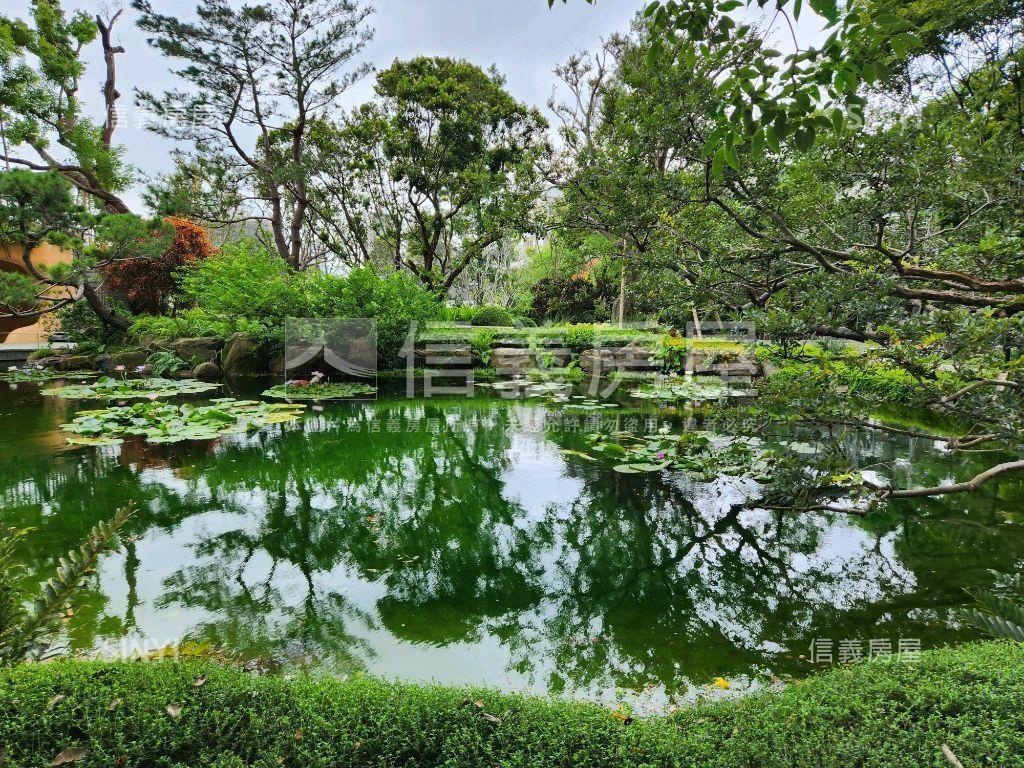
(872, 715)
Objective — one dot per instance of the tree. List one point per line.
(37, 208)
(440, 168)
(147, 284)
(41, 71)
(271, 71)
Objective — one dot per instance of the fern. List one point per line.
(1000, 610)
(165, 362)
(28, 633)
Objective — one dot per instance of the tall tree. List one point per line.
(41, 117)
(265, 72)
(37, 208)
(441, 167)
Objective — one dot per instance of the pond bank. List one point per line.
(970, 699)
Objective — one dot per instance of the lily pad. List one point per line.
(166, 423)
(131, 389)
(320, 392)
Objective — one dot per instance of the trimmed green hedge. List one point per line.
(878, 714)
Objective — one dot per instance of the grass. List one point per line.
(874, 715)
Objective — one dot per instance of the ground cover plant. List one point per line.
(877, 715)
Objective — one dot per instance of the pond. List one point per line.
(458, 540)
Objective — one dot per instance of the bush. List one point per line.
(874, 715)
(147, 285)
(493, 316)
(83, 326)
(244, 279)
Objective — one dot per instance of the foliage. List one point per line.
(108, 388)
(38, 373)
(493, 316)
(38, 209)
(428, 177)
(874, 715)
(703, 455)
(695, 389)
(320, 392)
(162, 423)
(148, 285)
(244, 280)
(674, 352)
(1000, 611)
(42, 67)
(572, 299)
(869, 382)
(164, 362)
(29, 633)
(196, 323)
(299, 58)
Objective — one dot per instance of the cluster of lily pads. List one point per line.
(694, 389)
(108, 388)
(17, 375)
(168, 423)
(704, 455)
(320, 391)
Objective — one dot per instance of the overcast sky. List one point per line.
(523, 38)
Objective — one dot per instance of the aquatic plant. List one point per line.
(319, 391)
(28, 374)
(165, 423)
(131, 389)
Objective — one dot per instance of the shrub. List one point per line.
(493, 316)
(874, 715)
(244, 279)
(146, 285)
(573, 299)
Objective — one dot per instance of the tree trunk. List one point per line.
(102, 308)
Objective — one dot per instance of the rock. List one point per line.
(738, 369)
(209, 372)
(131, 360)
(74, 363)
(510, 361)
(52, 361)
(609, 359)
(205, 349)
(242, 356)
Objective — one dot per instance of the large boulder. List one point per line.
(131, 360)
(209, 372)
(205, 349)
(242, 356)
(74, 363)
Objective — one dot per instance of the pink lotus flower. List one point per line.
(118, 368)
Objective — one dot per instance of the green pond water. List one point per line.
(455, 540)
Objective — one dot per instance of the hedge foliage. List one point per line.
(880, 714)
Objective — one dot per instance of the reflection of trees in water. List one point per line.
(638, 580)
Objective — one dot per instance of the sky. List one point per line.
(523, 38)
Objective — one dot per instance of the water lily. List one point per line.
(13, 368)
(153, 396)
(140, 368)
(119, 368)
